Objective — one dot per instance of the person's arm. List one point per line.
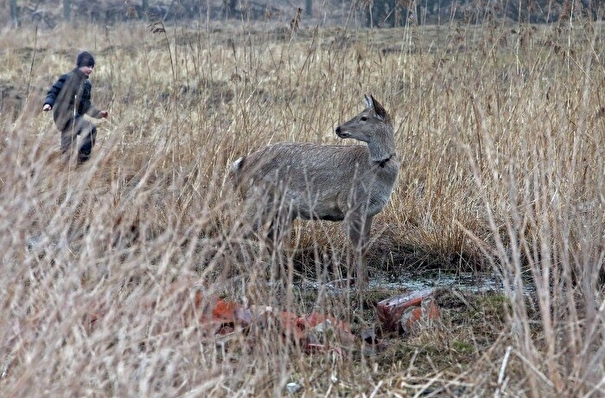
(53, 93)
(88, 106)
(92, 110)
(96, 113)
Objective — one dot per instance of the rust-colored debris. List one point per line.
(314, 332)
(405, 312)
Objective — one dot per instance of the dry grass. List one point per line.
(499, 128)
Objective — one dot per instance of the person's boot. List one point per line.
(83, 158)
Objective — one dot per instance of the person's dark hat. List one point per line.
(85, 59)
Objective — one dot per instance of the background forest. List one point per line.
(369, 13)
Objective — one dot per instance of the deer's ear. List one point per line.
(369, 101)
(378, 109)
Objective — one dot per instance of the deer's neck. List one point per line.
(382, 149)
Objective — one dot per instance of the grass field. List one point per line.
(498, 127)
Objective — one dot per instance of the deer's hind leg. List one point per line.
(269, 217)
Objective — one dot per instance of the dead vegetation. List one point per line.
(499, 130)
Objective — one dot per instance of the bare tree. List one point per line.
(309, 8)
(14, 13)
(67, 9)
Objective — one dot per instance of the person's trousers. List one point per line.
(87, 131)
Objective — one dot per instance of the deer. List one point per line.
(342, 183)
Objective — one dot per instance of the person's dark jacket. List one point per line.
(70, 97)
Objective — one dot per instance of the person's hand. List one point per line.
(103, 114)
(47, 107)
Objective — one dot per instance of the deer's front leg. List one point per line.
(358, 229)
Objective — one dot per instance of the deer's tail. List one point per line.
(236, 172)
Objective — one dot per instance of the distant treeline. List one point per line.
(375, 13)
(404, 12)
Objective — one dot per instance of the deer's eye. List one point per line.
(364, 118)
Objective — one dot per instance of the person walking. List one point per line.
(70, 99)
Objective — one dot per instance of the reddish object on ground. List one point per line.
(413, 316)
(317, 323)
(391, 311)
(222, 317)
(224, 311)
(316, 318)
(290, 328)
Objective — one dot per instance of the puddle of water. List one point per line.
(465, 282)
(473, 283)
